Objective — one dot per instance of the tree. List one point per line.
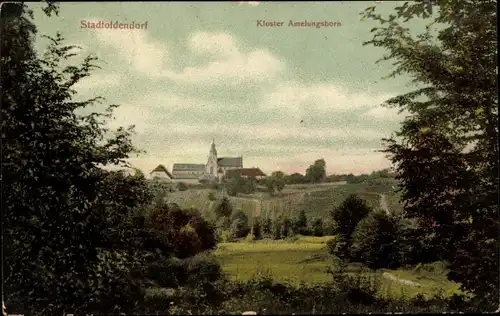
(301, 222)
(286, 228)
(239, 224)
(294, 178)
(188, 231)
(224, 209)
(235, 183)
(348, 214)
(267, 226)
(317, 227)
(316, 172)
(339, 247)
(277, 229)
(374, 242)
(257, 229)
(455, 108)
(63, 235)
(182, 186)
(275, 182)
(239, 228)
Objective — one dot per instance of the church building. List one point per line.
(217, 167)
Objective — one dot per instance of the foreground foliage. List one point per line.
(446, 151)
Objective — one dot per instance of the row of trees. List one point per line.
(233, 224)
(342, 220)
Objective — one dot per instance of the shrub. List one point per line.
(239, 228)
(286, 228)
(317, 227)
(250, 238)
(373, 242)
(205, 232)
(256, 229)
(226, 235)
(267, 226)
(224, 209)
(276, 229)
(212, 197)
(181, 186)
(339, 247)
(348, 214)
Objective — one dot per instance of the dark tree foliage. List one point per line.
(301, 222)
(317, 227)
(267, 226)
(374, 242)
(257, 229)
(446, 151)
(224, 209)
(348, 214)
(66, 244)
(188, 232)
(316, 172)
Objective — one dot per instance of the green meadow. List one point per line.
(306, 261)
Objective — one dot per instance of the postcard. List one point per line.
(249, 157)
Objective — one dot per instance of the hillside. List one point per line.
(316, 200)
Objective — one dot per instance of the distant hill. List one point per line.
(317, 201)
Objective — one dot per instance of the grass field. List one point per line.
(306, 260)
(315, 200)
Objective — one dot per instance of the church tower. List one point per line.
(212, 167)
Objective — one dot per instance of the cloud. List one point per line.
(137, 49)
(298, 97)
(216, 44)
(252, 3)
(97, 81)
(228, 63)
(174, 126)
(386, 114)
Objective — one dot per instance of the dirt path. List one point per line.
(258, 207)
(383, 204)
(391, 277)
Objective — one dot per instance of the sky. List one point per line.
(281, 97)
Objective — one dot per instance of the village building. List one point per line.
(214, 170)
(254, 173)
(162, 173)
(188, 172)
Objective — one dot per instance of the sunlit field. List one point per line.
(306, 260)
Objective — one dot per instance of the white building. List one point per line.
(162, 173)
(213, 170)
(216, 167)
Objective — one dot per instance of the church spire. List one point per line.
(212, 149)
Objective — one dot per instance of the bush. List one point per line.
(239, 228)
(317, 227)
(212, 197)
(250, 238)
(339, 247)
(276, 229)
(286, 228)
(348, 214)
(226, 235)
(224, 209)
(181, 186)
(256, 229)
(373, 242)
(267, 226)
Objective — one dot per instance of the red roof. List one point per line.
(249, 172)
